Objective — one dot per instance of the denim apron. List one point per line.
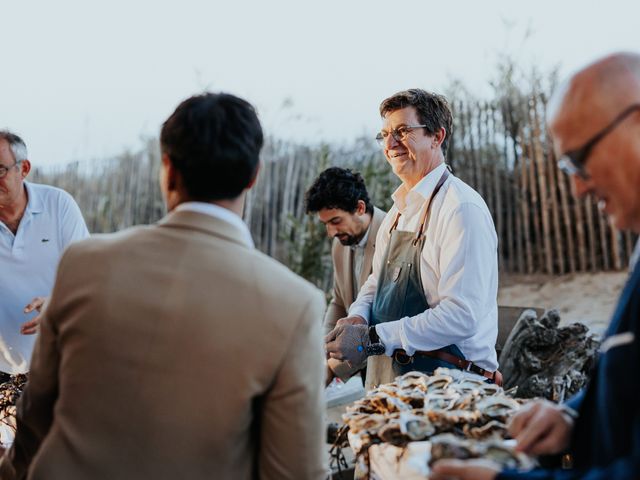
(400, 294)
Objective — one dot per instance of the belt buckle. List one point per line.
(406, 359)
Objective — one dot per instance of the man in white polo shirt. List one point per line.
(37, 222)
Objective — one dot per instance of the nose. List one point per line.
(582, 186)
(390, 142)
(331, 230)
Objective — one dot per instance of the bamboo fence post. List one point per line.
(525, 160)
(604, 248)
(542, 185)
(508, 196)
(615, 248)
(550, 167)
(533, 199)
(591, 234)
(497, 189)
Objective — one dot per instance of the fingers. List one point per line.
(555, 442)
(444, 469)
(521, 419)
(35, 304)
(464, 470)
(334, 350)
(333, 334)
(539, 429)
(30, 327)
(354, 320)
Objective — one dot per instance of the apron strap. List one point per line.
(425, 216)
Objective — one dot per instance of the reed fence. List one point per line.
(500, 148)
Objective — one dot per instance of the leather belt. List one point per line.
(402, 358)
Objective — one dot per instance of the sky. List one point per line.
(82, 81)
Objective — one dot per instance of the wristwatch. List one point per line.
(375, 347)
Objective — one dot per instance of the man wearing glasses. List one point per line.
(595, 125)
(37, 222)
(431, 299)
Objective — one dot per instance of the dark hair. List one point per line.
(337, 188)
(214, 141)
(433, 111)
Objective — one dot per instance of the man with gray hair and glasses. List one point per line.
(37, 222)
(431, 299)
(594, 120)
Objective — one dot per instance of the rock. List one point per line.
(543, 360)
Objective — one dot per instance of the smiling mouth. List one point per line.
(395, 155)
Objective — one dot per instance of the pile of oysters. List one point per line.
(462, 417)
(10, 391)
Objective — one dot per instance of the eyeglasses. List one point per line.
(399, 134)
(574, 161)
(4, 170)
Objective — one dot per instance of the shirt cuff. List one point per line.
(389, 333)
(361, 310)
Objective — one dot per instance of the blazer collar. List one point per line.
(376, 220)
(204, 223)
(630, 290)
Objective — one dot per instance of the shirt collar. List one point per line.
(420, 192)
(220, 213)
(34, 202)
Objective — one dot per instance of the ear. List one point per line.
(25, 168)
(361, 208)
(170, 173)
(439, 137)
(255, 177)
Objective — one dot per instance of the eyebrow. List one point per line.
(401, 125)
(330, 220)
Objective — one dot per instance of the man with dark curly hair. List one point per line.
(339, 197)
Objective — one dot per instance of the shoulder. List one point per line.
(460, 196)
(275, 274)
(103, 243)
(53, 199)
(49, 193)
(378, 217)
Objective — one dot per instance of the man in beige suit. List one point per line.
(177, 350)
(340, 199)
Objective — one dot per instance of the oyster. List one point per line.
(497, 407)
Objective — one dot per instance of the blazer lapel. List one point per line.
(369, 249)
(630, 289)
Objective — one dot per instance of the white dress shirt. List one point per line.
(458, 269)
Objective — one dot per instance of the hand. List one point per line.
(464, 470)
(31, 327)
(353, 320)
(348, 343)
(328, 376)
(541, 428)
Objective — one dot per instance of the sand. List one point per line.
(589, 298)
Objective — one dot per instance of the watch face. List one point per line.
(375, 349)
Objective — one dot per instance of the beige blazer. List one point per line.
(343, 294)
(173, 351)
